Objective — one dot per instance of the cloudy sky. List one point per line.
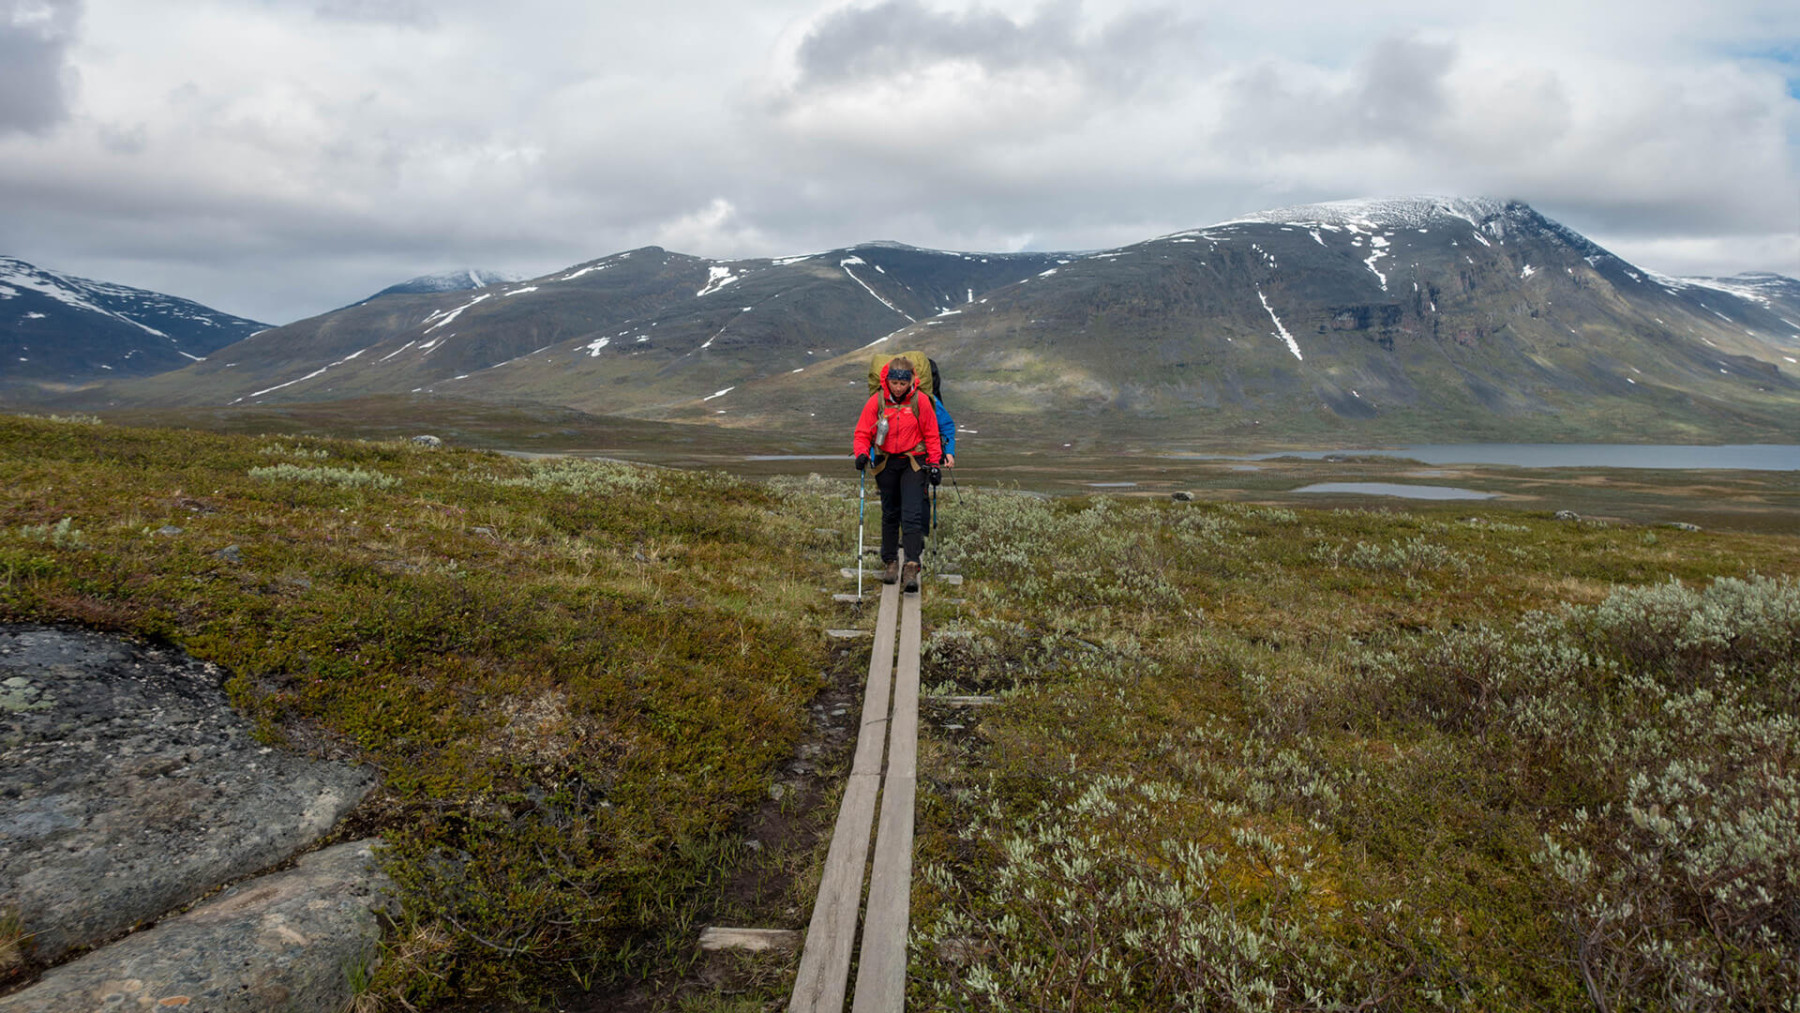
(277, 158)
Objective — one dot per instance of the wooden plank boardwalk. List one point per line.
(890, 731)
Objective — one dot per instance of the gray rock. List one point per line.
(230, 554)
(1182, 497)
(128, 786)
(1567, 515)
(168, 530)
(1683, 526)
(427, 441)
(283, 942)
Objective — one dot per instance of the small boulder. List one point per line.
(1182, 497)
(168, 530)
(1683, 526)
(427, 441)
(230, 554)
(1567, 515)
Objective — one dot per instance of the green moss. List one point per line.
(572, 677)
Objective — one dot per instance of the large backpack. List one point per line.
(927, 380)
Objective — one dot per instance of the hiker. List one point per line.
(946, 429)
(899, 437)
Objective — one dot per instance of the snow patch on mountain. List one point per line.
(71, 291)
(1293, 346)
(453, 314)
(1757, 287)
(1383, 213)
(717, 277)
(460, 280)
(846, 264)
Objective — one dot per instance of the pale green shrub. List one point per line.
(74, 419)
(351, 478)
(1098, 901)
(1674, 712)
(63, 534)
(280, 450)
(578, 477)
(1410, 556)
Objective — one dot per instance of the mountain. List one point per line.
(57, 329)
(450, 281)
(636, 331)
(1425, 319)
(1429, 319)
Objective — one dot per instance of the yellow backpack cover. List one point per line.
(923, 371)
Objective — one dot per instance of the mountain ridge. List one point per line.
(62, 329)
(1477, 313)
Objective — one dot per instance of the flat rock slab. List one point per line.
(283, 942)
(129, 787)
(718, 937)
(848, 634)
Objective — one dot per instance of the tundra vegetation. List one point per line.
(1243, 757)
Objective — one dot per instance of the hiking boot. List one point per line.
(892, 573)
(909, 575)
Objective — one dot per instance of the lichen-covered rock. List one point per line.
(129, 787)
(289, 942)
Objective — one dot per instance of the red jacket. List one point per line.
(910, 423)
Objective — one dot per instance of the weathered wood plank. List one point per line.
(881, 973)
(824, 973)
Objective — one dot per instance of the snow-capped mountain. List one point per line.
(450, 281)
(1413, 318)
(59, 329)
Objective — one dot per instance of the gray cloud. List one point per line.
(899, 37)
(35, 80)
(1395, 95)
(413, 13)
(281, 157)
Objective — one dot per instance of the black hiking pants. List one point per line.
(902, 508)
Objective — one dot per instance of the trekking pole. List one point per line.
(862, 503)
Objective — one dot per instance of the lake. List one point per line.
(1736, 457)
(1396, 489)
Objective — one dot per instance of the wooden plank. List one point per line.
(824, 973)
(881, 973)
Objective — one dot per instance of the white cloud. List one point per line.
(715, 228)
(285, 156)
